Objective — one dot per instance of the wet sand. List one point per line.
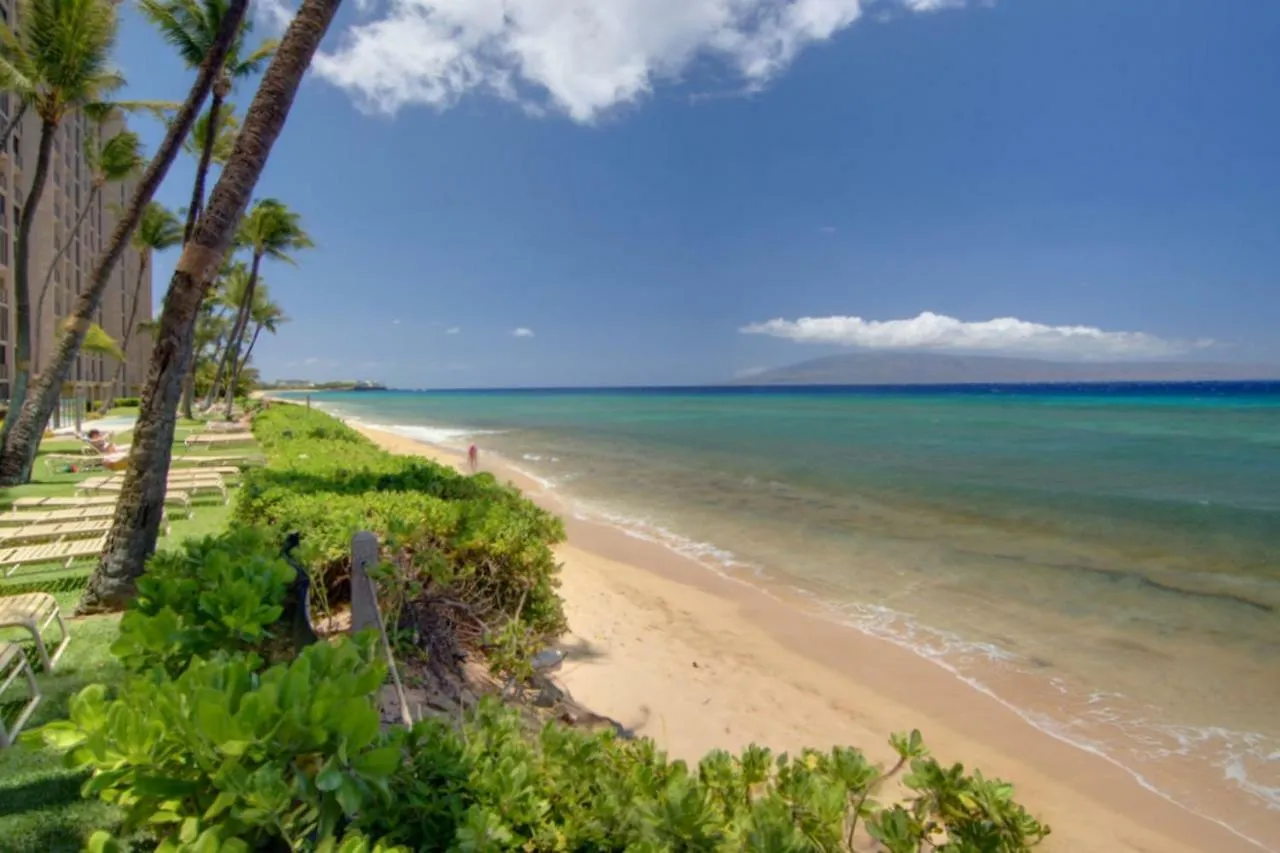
(699, 661)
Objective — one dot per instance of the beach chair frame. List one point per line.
(13, 663)
(12, 559)
(34, 612)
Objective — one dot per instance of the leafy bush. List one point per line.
(227, 758)
(468, 537)
(219, 593)
(128, 402)
(491, 787)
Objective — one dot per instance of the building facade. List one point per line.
(65, 199)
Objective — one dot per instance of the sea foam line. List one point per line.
(720, 561)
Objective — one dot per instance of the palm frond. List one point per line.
(119, 157)
(182, 25)
(246, 66)
(159, 229)
(96, 340)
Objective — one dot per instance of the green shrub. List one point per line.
(471, 538)
(492, 787)
(233, 758)
(128, 402)
(216, 594)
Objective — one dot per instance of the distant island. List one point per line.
(910, 368)
(335, 385)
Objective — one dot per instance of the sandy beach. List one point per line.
(699, 661)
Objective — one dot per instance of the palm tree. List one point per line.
(137, 520)
(225, 140)
(266, 316)
(158, 230)
(23, 438)
(58, 63)
(191, 26)
(269, 230)
(110, 162)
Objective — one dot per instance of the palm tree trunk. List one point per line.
(238, 366)
(127, 335)
(202, 169)
(137, 520)
(237, 334)
(244, 362)
(189, 392)
(22, 290)
(232, 352)
(48, 275)
(12, 126)
(23, 438)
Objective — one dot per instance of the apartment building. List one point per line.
(66, 195)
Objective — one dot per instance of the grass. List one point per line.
(40, 804)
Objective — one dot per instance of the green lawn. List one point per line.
(40, 804)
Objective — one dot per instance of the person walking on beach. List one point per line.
(473, 458)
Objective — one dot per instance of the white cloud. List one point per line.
(522, 332)
(453, 330)
(312, 360)
(931, 331)
(578, 57)
(747, 372)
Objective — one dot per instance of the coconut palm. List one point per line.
(23, 438)
(109, 162)
(269, 230)
(228, 127)
(266, 316)
(138, 513)
(58, 62)
(191, 26)
(159, 229)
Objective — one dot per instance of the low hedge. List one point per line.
(469, 537)
(221, 753)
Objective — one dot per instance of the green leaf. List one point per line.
(329, 779)
(102, 841)
(378, 763)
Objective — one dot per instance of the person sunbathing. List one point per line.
(101, 442)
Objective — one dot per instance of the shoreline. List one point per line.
(699, 660)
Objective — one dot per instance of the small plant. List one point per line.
(225, 757)
(491, 786)
(219, 593)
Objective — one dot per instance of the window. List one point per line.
(4, 329)
(4, 233)
(17, 150)
(4, 99)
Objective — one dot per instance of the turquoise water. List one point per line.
(1107, 561)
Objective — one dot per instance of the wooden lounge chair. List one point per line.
(81, 461)
(34, 612)
(12, 559)
(217, 440)
(46, 503)
(198, 482)
(200, 460)
(225, 427)
(14, 663)
(96, 510)
(56, 532)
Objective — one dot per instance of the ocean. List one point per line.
(1103, 559)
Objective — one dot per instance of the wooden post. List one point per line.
(364, 556)
(364, 608)
(308, 401)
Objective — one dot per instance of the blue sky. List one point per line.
(661, 191)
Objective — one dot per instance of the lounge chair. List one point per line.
(34, 510)
(12, 664)
(49, 503)
(54, 532)
(198, 460)
(226, 426)
(211, 440)
(35, 612)
(198, 482)
(12, 559)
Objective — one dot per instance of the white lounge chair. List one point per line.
(56, 532)
(210, 440)
(14, 663)
(12, 559)
(47, 503)
(34, 612)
